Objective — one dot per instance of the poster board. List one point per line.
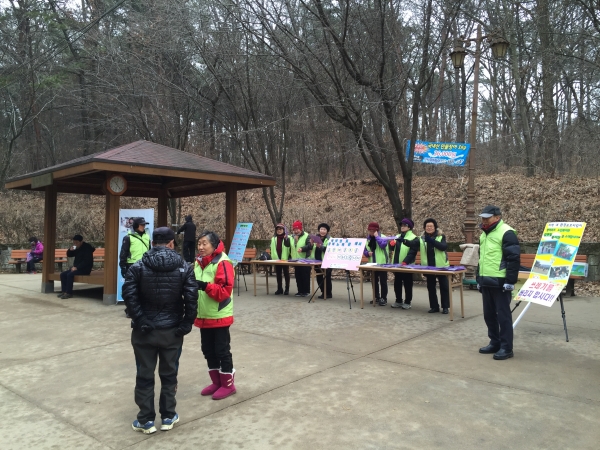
(553, 263)
(344, 253)
(239, 241)
(126, 217)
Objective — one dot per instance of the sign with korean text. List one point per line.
(553, 263)
(344, 253)
(449, 153)
(239, 241)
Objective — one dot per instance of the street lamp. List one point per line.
(499, 46)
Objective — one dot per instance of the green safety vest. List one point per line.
(441, 257)
(208, 308)
(381, 254)
(491, 262)
(286, 251)
(301, 243)
(403, 249)
(138, 245)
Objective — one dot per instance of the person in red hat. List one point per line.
(376, 251)
(302, 250)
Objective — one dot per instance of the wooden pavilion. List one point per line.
(139, 169)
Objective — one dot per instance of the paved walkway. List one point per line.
(309, 376)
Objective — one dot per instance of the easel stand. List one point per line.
(348, 286)
(562, 310)
(238, 269)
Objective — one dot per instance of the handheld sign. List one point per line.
(344, 253)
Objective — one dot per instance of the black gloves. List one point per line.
(429, 239)
(202, 285)
(123, 273)
(145, 325)
(183, 329)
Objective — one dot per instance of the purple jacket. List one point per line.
(38, 250)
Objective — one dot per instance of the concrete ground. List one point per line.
(309, 376)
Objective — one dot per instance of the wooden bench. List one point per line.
(18, 257)
(95, 277)
(527, 261)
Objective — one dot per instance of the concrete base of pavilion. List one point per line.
(309, 376)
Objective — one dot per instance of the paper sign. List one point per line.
(239, 241)
(553, 263)
(344, 253)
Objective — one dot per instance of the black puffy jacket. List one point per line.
(161, 287)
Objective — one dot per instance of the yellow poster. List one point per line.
(553, 262)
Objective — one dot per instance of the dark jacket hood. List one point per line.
(162, 259)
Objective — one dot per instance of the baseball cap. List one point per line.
(164, 234)
(489, 211)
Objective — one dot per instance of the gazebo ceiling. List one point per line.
(150, 169)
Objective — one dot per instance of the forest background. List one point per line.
(322, 95)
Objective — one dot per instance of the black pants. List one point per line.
(380, 278)
(405, 279)
(498, 318)
(303, 279)
(189, 251)
(148, 347)
(282, 272)
(444, 291)
(327, 277)
(31, 264)
(216, 348)
(66, 279)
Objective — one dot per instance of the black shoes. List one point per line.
(382, 301)
(488, 349)
(320, 296)
(279, 291)
(503, 354)
(434, 310)
(445, 311)
(287, 291)
(298, 295)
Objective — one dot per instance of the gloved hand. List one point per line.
(479, 288)
(508, 287)
(392, 243)
(183, 329)
(123, 273)
(146, 325)
(202, 285)
(429, 239)
(403, 264)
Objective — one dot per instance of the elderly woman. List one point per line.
(214, 274)
(35, 255)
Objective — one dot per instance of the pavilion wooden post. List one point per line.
(162, 216)
(230, 214)
(111, 244)
(49, 238)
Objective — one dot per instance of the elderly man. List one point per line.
(497, 273)
(82, 265)
(161, 294)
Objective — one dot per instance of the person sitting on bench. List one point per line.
(82, 265)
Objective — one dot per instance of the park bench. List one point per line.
(249, 255)
(18, 257)
(527, 261)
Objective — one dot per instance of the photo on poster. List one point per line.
(547, 247)
(559, 273)
(125, 224)
(541, 267)
(566, 251)
(579, 270)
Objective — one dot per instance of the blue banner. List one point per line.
(239, 241)
(449, 153)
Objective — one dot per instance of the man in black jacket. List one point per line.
(189, 239)
(161, 294)
(82, 265)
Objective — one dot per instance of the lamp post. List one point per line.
(499, 46)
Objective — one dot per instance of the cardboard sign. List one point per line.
(344, 253)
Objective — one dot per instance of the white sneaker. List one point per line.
(405, 306)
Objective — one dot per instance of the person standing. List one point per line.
(161, 295)
(281, 248)
(432, 245)
(319, 255)
(214, 274)
(402, 245)
(189, 239)
(35, 255)
(303, 249)
(497, 273)
(134, 245)
(82, 265)
(376, 250)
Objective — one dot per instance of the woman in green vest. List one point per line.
(281, 249)
(319, 251)
(402, 249)
(214, 274)
(432, 245)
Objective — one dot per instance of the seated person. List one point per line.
(36, 254)
(82, 265)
